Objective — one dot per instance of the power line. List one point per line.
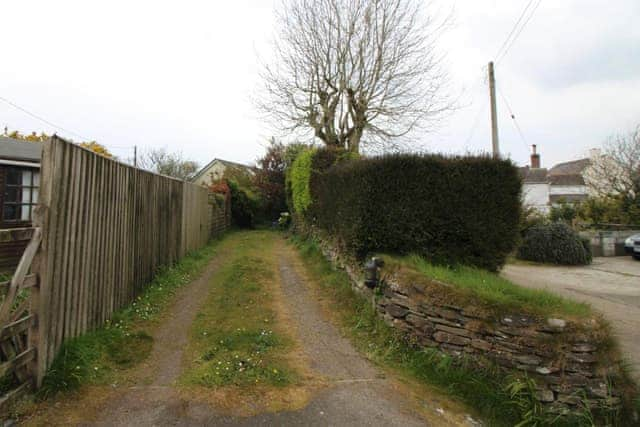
(513, 30)
(515, 37)
(35, 116)
(515, 121)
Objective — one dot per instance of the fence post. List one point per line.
(40, 294)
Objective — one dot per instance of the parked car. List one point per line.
(632, 246)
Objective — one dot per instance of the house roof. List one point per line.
(569, 173)
(570, 168)
(533, 175)
(224, 162)
(13, 149)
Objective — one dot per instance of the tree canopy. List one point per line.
(354, 72)
(170, 164)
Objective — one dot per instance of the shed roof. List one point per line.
(13, 149)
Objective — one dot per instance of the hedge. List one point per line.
(451, 210)
(305, 168)
(555, 243)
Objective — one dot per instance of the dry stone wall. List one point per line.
(568, 360)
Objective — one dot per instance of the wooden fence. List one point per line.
(106, 229)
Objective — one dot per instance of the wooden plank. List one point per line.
(29, 281)
(50, 272)
(16, 234)
(65, 238)
(78, 250)
(20, 310)
(19, 361)
(70, 252)
(16, 327)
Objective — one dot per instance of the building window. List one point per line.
(21, 193)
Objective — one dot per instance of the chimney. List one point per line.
(535, 158)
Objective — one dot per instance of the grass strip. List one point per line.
(500, 399)
(494, 290)
(98, 356)
(235, 339)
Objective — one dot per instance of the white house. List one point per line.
(218, 169)
(543, 188)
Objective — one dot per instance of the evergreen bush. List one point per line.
(555, 243)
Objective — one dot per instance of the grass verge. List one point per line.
(500, 399)
(492, 289)
(235, 339)
(98, 356)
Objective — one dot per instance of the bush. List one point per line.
(243, 206)
(451, 210)
(555, 243)
(306, 167)
(298, 179)
(564, 211)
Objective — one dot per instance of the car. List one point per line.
(632, 246)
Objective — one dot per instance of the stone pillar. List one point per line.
(608, 242)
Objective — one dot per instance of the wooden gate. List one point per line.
(18, 326)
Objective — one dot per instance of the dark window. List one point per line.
(21, 192)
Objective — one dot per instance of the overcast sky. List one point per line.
(181, 74)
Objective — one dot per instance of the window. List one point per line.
(21, 194)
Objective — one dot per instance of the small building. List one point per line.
(217, 169)
(564, 182)
(19, 191)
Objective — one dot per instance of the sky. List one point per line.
(181, 75)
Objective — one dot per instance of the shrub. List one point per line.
(306, 167)
(564, 211)
(555, 243)
(298, 180)
(243, 206)
(451, 210)
(530, 217)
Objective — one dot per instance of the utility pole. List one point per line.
(135, 156)
(494, 113)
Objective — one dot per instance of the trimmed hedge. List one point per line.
(555, 243)
(451, 210)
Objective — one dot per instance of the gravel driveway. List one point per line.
(610, 285)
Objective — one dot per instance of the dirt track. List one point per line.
(344, 389)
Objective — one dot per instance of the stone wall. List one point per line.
(607, 243)
(568, 360)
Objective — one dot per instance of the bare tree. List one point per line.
(616, 172)
(170, 164)
(353, 72)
